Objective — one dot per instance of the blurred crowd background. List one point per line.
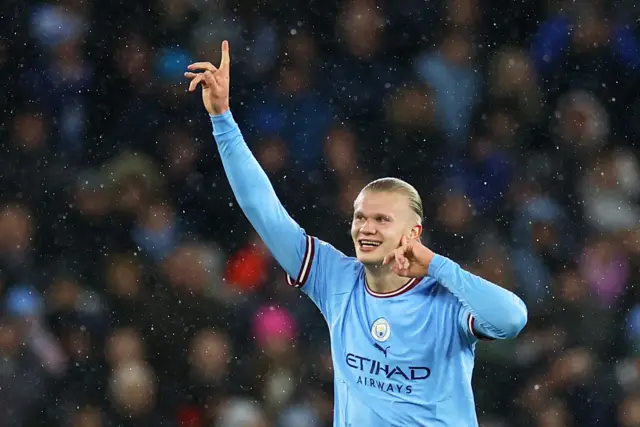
(133, 291)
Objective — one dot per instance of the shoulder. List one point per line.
(328, 252)
(334, 263)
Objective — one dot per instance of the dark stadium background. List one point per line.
(133, 291)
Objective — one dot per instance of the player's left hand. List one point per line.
(410, 259)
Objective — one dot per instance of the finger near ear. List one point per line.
(400, 255)
(388, 258)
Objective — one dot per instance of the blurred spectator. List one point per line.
(449, 70)
(360, 73)
(133, 391)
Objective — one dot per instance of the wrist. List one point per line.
(219, 110)
(427, 257)
(222, 123)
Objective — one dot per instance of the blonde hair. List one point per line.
(395, 185)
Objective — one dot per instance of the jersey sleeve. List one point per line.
(321, 266)
(469, 328)
(494, 311)
(306, 260)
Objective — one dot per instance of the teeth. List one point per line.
(369, 243)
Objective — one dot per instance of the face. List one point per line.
(380, 220)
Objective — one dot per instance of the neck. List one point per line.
(382, 280)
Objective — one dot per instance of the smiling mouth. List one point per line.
(369, 244)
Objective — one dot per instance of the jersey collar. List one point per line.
(411, 283)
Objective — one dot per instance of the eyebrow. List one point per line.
(375, 214)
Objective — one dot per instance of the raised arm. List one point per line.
(254, 193)
(288, 243)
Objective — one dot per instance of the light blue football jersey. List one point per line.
(400, 359)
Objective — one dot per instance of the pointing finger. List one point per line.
(207, 66)
(190, 75)
(400, 258)
(226, 59)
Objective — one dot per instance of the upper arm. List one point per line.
(497, 312)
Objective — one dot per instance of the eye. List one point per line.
(382, 219)
(358, 216)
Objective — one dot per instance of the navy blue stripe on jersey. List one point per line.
(305, 268)
(411, 283)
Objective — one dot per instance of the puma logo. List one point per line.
(379, 347)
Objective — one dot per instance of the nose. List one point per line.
(368, 227)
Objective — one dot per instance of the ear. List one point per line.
(416, 232)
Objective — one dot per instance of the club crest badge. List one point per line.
(380, 330)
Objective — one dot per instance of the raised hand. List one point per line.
(214, 82)
(410, 259)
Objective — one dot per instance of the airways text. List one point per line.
(385, 377)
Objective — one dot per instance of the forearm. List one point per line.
(256, 197)
(497, 312)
